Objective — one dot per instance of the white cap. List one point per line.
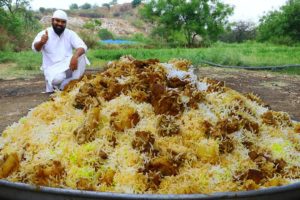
(59, 14)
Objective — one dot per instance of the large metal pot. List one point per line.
(21, 191)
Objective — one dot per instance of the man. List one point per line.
(60, 64)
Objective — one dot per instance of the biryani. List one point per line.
(147, 127)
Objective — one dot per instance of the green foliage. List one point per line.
(136, 3)
(113, 2)
(73, 6)
(42, 10)
(206, 18)
(105, 34)
(92, 24)
(86, 6)
(17, 25)
(107, 5)
(242, 54)
(97, 22)
(281, 26)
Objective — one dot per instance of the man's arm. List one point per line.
(39, 45)
(74, 60)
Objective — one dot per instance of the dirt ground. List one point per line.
(281, 92)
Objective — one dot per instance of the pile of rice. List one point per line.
(155, 128)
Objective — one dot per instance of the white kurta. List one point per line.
(57, 52)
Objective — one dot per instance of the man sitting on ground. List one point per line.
(60, 65)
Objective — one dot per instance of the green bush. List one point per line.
(5, 45)
(17, 29)
(105, 34)
(281, 26)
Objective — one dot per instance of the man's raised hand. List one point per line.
(44, 38)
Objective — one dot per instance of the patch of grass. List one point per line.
(245, 54)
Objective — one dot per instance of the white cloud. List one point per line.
(252, 9)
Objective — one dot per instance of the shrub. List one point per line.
(4, 40)
(105, 34)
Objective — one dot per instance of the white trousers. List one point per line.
(59, 75)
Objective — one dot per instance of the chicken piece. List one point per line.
(247, 144)
(124, 118)
(88, 89)
(255, 175)
(143, 141)
(276, 119)
(215, 85)
(85, 97)
(113, 91)
(167, 126)
(108, 177)
(169, 105)
(297, 128)
(146, 63)
(9, 164)
(86, 132)
(208, 128)
(175, 82)
(157, 90)
(195, 96)
(140, 96)
(84, 184)
(257, 99)
(154, 180)
(224, 127)
(251, 126)
(52, 171)
(280, 164)
(266, 165)
(226, 145)
(229, 126)
(163, 165)
(103, 155)
(253, 155)
(176, 156)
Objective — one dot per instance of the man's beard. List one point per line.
(58, 30)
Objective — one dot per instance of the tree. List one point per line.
(73, 6)
(86, 6)
(14, 5)
(113, 2)
(205, 18)
(281, 25)
(17, 22)
(240, 32)
(135, 3)
(42, 10)
(105, 34)
(106, 5)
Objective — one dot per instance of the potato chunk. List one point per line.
(9, 165)
(124, 118)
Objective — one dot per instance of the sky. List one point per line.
(246, 10)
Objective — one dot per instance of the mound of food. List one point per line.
(155, 128)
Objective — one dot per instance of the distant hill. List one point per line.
(121, 19)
